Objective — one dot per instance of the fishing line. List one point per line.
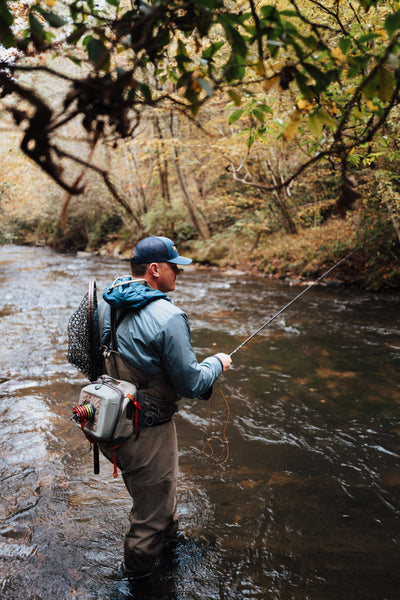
(223, 440)
(293, 301)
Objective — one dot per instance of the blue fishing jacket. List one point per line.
(155, 337)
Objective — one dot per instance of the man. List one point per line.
(155, 352)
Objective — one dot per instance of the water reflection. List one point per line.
(306, 506)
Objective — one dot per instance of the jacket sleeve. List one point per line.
(189, 377)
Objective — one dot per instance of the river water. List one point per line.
(300, 481)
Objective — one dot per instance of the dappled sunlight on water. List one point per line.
(306, 504)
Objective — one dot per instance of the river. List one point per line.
(300, 481)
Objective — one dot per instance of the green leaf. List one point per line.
(236, 41)
(182, 57)
(322, 79)
(209, 52)
(259, 115)
(234, 68)
(37, 31)
(289, 13)
(235, 97)
(310, 41)
(251, 139)
(392, 23)
(113, 2)
(368, 3)
(74, 59)
(270, 13)
(193, 97)
(326, 119)
(302, 82)
(182, 49)
(97, 51)
(385, 85)
(86, 40)
(146, 92)
(368, 37)
(6, 20)
(76, 35)
(265, 108)
(235, 116)
(370, 87)
(345, 45)
(52, 18)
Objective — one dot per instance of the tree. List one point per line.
(337, 62)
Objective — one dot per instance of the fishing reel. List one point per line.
(83, 413)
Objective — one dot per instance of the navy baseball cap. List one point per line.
(158, 249)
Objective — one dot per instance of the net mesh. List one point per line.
(84, 351)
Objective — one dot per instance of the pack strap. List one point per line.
(114, 324)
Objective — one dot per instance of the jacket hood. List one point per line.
(126, 292)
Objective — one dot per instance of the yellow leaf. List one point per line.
(272, 82)
(315, 125)
(51, 2)
(371, 106)
(196, 86)
(331, 108)
(304, 105)
(291, 130)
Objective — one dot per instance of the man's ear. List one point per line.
(154, 270)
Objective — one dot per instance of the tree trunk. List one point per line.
(395, 216)
(280, 200)
(200, 224)
(140, 187)
(162, 165)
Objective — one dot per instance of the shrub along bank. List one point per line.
(303, 256)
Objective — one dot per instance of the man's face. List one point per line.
(167, 275)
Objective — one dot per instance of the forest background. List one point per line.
(259, 136)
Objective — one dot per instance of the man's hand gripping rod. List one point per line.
(291, 302)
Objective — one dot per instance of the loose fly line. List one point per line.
(223, 440)
(224, 454)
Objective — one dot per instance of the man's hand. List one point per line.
(225, 359)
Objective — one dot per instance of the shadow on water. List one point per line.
(304, 497)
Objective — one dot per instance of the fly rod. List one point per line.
(292, 302)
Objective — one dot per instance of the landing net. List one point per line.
(84, 351)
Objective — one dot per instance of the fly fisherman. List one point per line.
(155, 353)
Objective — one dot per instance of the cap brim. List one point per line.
(180, 260)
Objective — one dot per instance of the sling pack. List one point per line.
(108, 409)
(114, 406)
